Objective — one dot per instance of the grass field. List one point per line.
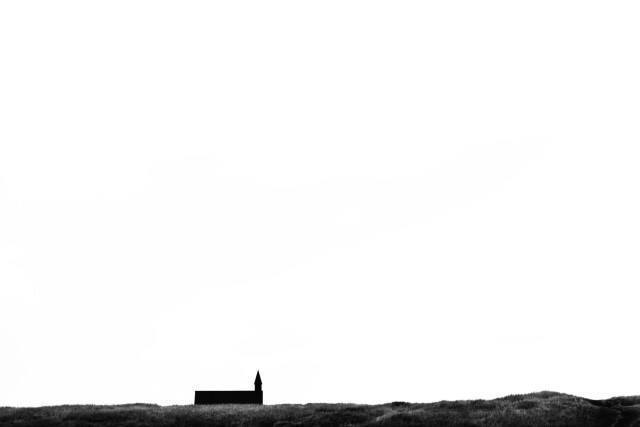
(536, 409)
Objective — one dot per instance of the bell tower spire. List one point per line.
(258, 382)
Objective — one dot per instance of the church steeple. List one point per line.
(258, 382)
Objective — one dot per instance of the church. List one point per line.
(221, 397)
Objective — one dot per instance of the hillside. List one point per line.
(536, 409)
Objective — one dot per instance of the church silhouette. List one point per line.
(208, 397)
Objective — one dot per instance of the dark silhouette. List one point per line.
(220, 397)
(535, 409)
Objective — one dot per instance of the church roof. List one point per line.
(258, 380)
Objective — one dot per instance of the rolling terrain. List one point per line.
(536, 409)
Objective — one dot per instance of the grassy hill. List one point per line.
(536, 409)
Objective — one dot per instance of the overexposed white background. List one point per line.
(368, 201)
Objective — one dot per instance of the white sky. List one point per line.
(368, 201)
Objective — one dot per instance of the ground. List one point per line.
(536, 409)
